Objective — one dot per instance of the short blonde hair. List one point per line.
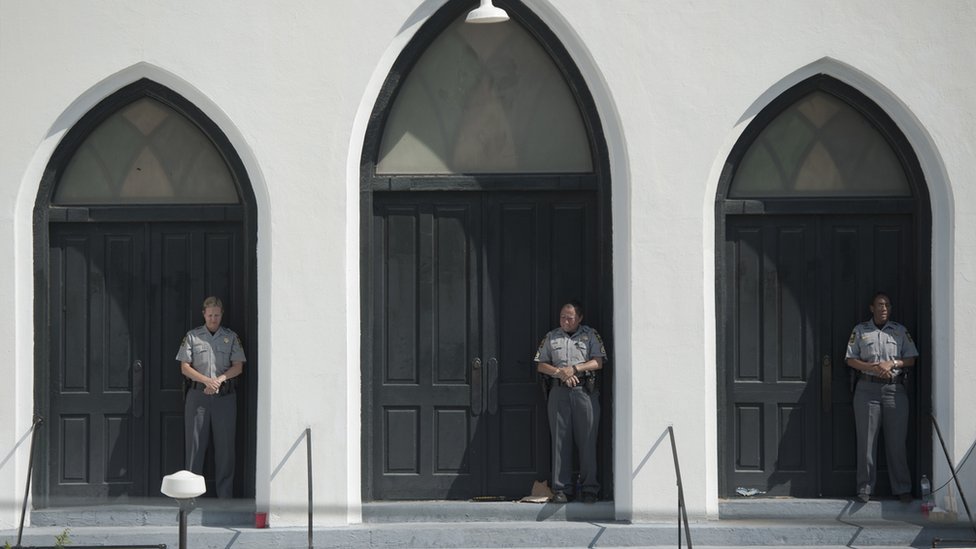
(213, 301)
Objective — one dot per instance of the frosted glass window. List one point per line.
(820, 146)
(484, 99)
(146, 153)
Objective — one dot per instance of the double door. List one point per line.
(795, 286)
(464, 285)
(121, 296)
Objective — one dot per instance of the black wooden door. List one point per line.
(464, 284)
(122, 295)
(795, 287)
(97, 425)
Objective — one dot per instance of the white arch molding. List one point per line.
(941, 268)
(619, 164)
(24, 245)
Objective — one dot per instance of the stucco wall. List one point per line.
(292, 84)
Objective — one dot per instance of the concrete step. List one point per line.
(501, 511)
(148, 512)
(770, 522)
(736, 533)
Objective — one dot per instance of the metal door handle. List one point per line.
(826, 379)
(137, 388)
(477, 402)
(492, 381)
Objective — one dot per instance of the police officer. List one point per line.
(211, 357)
(570, 355)
(880, 350)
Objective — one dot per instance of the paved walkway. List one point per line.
(742, 523)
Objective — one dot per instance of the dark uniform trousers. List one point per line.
(574, 410)
(880, 406)
(216, 413)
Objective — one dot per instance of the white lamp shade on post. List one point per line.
(486, 13)
(183, 485)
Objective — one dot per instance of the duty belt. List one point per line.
(228, 387)
(875, 379)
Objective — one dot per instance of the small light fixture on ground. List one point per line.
(486, 13)
(184, 487)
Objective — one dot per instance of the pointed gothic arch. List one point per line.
(835, 208)
(485, 214)
(122, 261)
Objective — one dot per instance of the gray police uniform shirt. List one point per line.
(872, 344)
(211, 354)
(564, 350)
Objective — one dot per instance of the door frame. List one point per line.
(918, 206)
(46, 213)
(370, 183)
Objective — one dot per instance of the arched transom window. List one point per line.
(819, 146)
(484, 99)
(146, 153)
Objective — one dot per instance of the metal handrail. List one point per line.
(952, 468)
(30, 469)
(682, 510)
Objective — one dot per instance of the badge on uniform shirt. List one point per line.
(585, 338)
(226, 340)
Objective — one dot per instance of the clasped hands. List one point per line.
(567, 376)
(883, 369)
(212, 386)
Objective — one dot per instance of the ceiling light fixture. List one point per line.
(486, 13)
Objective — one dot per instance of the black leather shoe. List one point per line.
(559, 497)
(589, 497)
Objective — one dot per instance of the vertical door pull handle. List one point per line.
(826, 379)
(477, 401)
(137, 389)
(492, 374)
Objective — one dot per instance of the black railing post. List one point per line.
(30, 469)
(682, 510)
(308, 452)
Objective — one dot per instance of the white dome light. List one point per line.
(486, 13)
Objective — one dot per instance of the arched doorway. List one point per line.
(145, 209)
(485, 205)
(821, 204)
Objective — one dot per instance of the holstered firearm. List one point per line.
(545, 384)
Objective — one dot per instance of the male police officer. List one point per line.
(571, 354)
(211, 356)
(880, 350)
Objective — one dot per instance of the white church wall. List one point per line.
(675, 83)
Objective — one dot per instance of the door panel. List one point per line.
(464, 285)
(774, 408)
(541, 250)
(867, 255)
(122, 296)
(797, 286)
(189, 261)
(98, 322)
(426, 288)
